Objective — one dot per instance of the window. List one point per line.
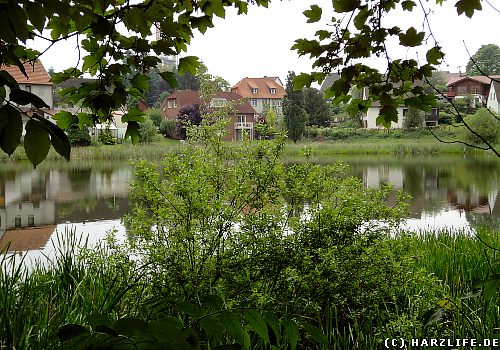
(175, 103)
(28, 88)
(242, 119)
(254, 102)
(273, 91)
(461, 90)
(218, 102)
(279, 103)
(274, 103)
(31, 220)
(255, 90)
(171, 103)
(17, 222)
(474, 90)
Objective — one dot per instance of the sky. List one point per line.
(258, 44)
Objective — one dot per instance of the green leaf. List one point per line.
(7, 34)
(188, 64)
(170, 78)
(84, 120)
(213, 328)
(23, 98)
(18, 20)
(345, 5)
(434, 55)
(36, 15)
(130, 326)
(314, 14)
(64, 119)
(133, 115)
(140, 82)
(302, 80)
(12, 130)
(70, 331)
(387, 115)
(408, 5)
(468, 7)
(292, 333)
(232, 323)
(58, 138)
(258, 323)
(36, 142)
(202, 23)
(7, 79)
(316, 333)
(133, 132)
(411, 38)
(490, 287)
(214, 302)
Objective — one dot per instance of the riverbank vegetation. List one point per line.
(244, 251)
(324, 141)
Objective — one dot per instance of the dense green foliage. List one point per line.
(148, 131)
(294, 114)
(106, 137)
(78, 137)
(486, 61)
(413, 118)
(167, 128)
(318, 111)
(483, 123)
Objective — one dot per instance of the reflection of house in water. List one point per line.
(374, 176)
(33, 202)
(474, 202)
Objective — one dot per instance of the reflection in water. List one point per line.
(33, 203)
(448, 192)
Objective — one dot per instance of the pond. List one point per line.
(91, 198)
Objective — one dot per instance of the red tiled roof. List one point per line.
(189, 97)
(479, 78)
(244, 88)
(25, 239)
(37, 75)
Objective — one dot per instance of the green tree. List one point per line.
(483, 123)
(155, 115)
(79, 137)
(359, 31)
(413, 118)
(148, 131)
(317, 109)
(486, 61)
(106, 136)
(294, 114)
(108, 53)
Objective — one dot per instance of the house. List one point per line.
(241, 122)
(262, 93)
(369, 120)
(493, 103)
(37, 82)
(476, 86)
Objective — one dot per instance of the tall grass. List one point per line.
(467, 267)
(35, 302)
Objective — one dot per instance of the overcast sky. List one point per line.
(258, 44)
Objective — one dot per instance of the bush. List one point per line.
(106, 136)
(78, 137)
(155, 115)
(167, 128)
(147, 131)
(484, 124)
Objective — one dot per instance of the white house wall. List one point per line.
(372, 114)
(493, 104)
(42, 91)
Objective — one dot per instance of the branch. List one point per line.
(478, 68)
(490, 147)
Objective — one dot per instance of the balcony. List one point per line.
(243, 125)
